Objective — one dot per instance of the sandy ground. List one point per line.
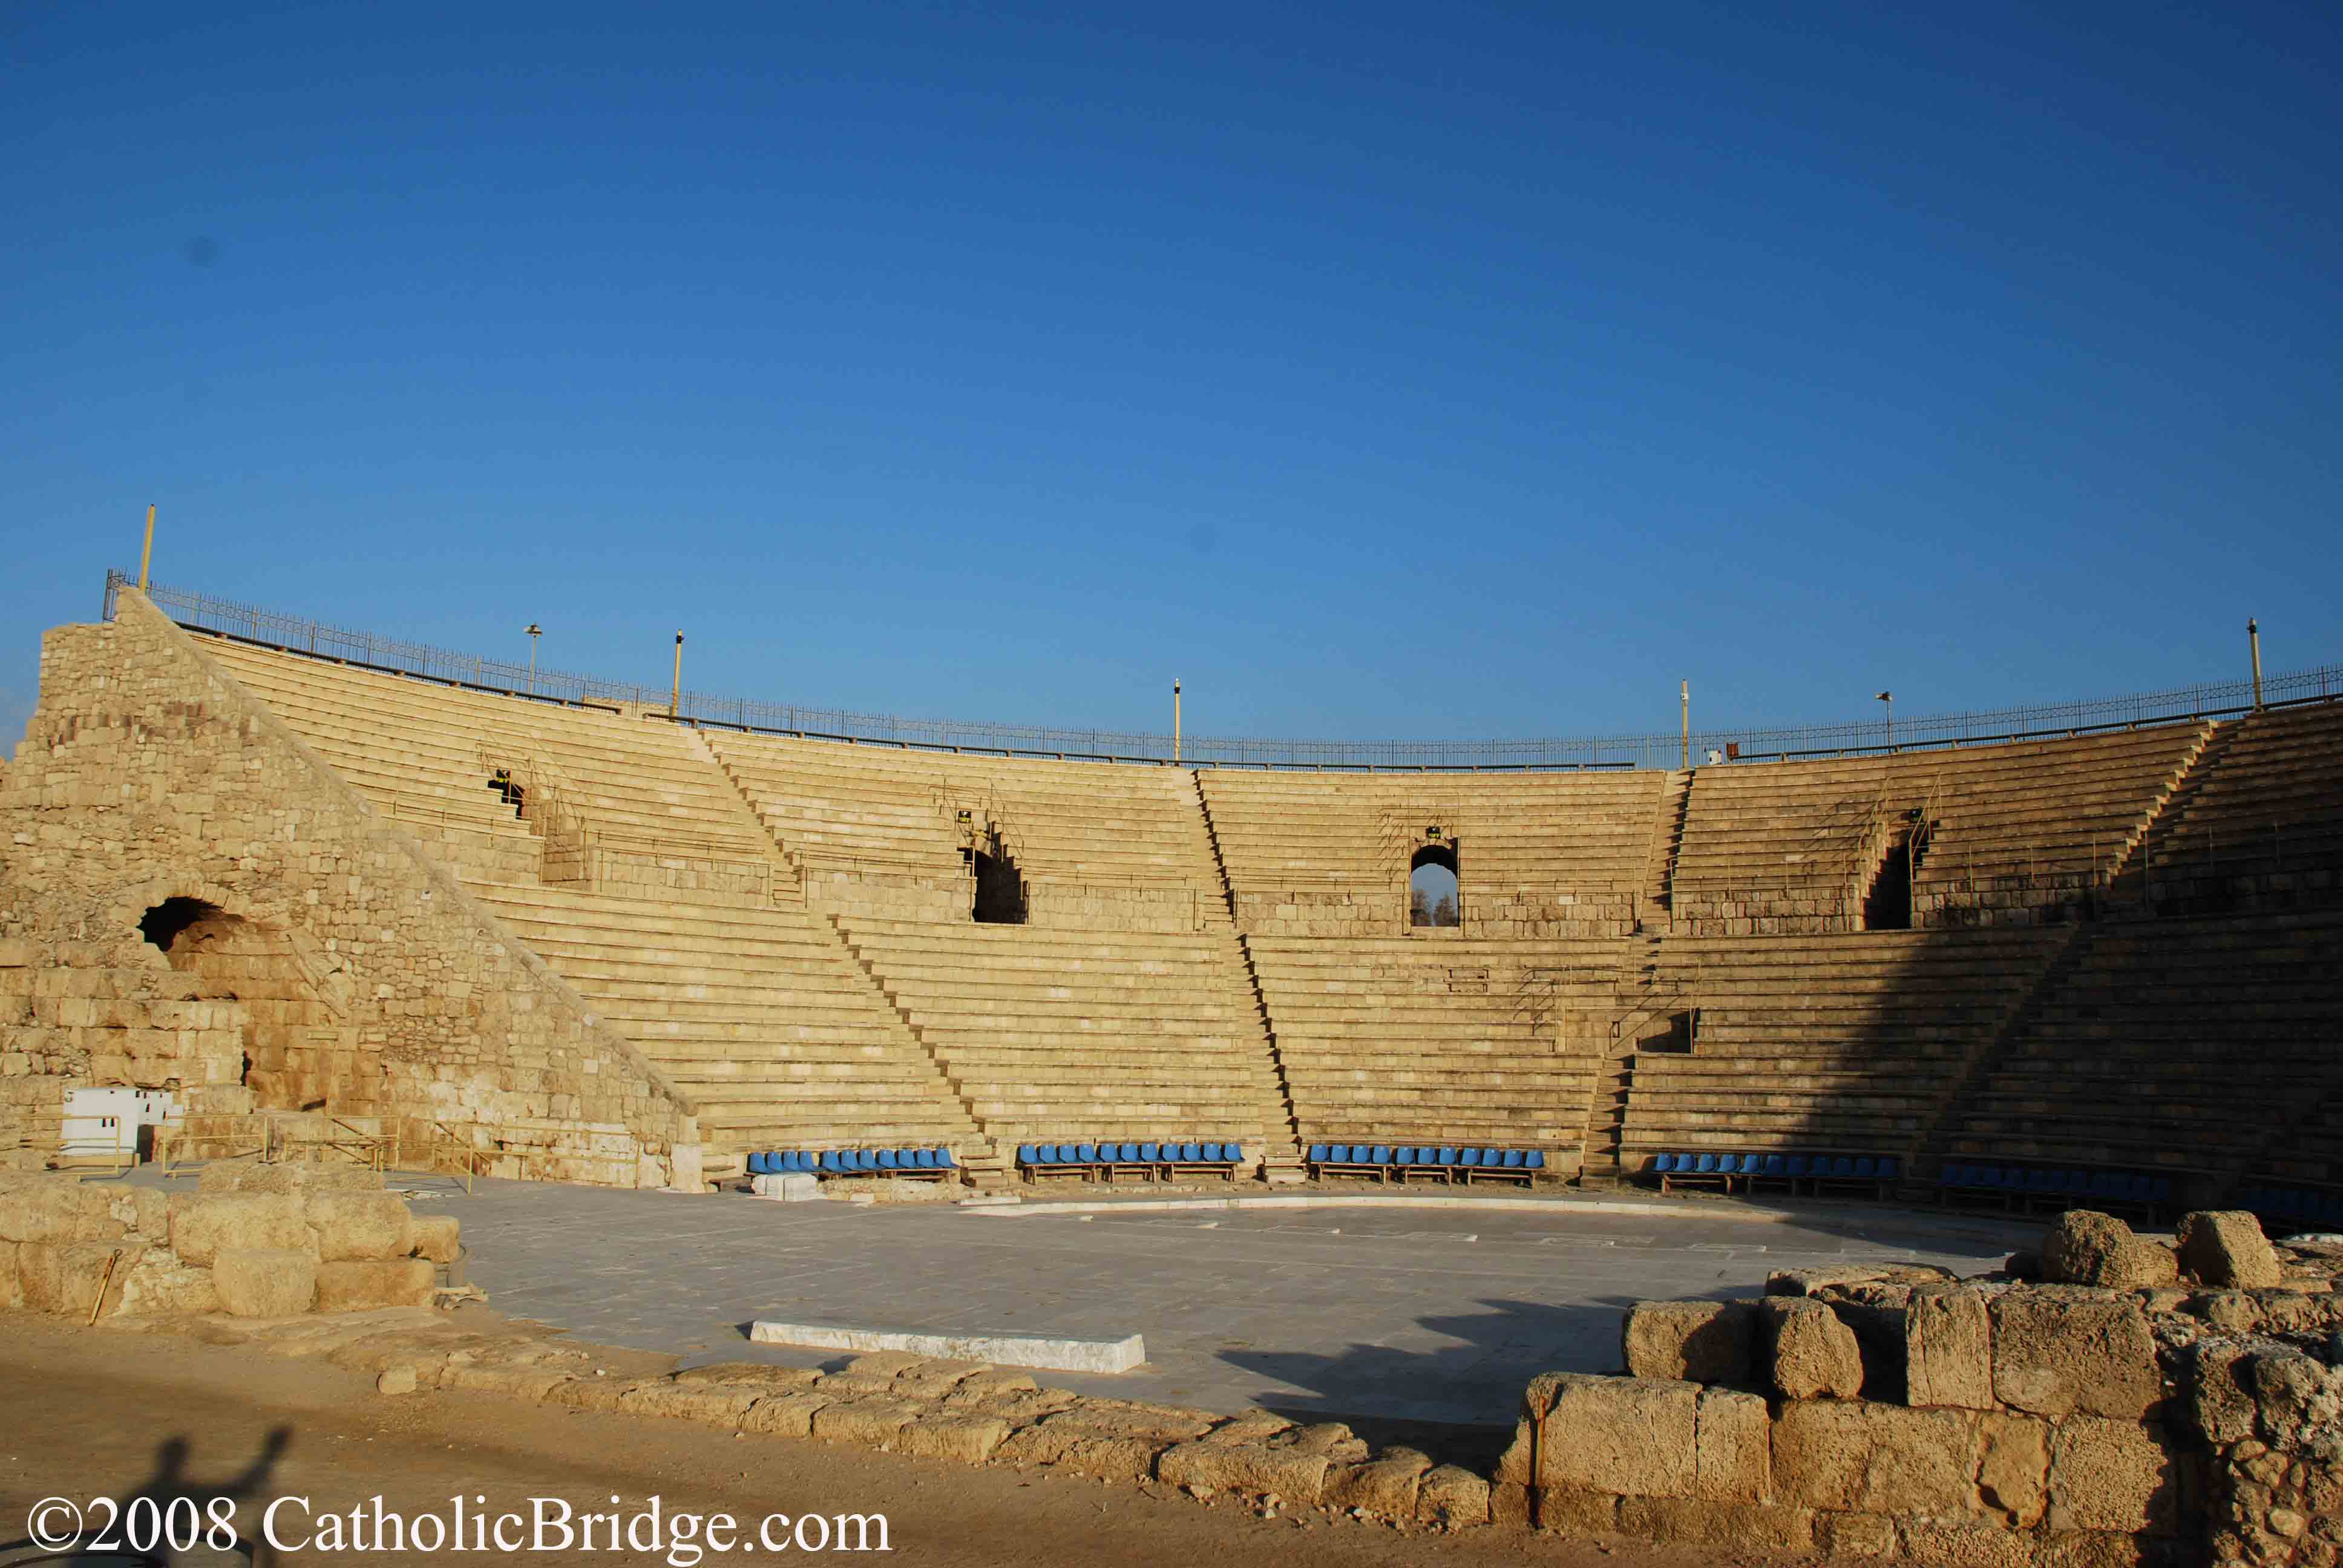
(87, 1414)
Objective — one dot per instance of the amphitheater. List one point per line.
(324, 896)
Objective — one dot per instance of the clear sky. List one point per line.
(1427, 371)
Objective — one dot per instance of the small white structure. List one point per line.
(105, 1123)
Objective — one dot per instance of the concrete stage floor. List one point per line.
(1357, 1311)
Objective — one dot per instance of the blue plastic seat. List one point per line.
(1150, 1152)
(1705, 1165)
(1380, 1154)
(1750, 1164)
(1190, 1154)
(805, 1162)
(1513, 1159)
(1663, 1163)
(1797, 1164)
(1402, 1156)
(1863, 1168)
(1470, 1158)
(1128, 1154)
(1232, 1153)
(757, 1166)
(1446, 1157)
(887, 1160)
(1888, 1168)
(864, 1159)
(1317, 1153)
(1773, 1165)
(920, 1158)
(1536, 1159)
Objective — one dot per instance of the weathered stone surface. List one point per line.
(1808, 1352)
(265, 1282)
(1509, 1505)
(57, 1211)
(397, 1379)
(785, 1414)
(1574, 1510)
(1939, 1545)
(1386, 1486)
(2221, 1401)
(203, 1225)
(12, 1292)
(359, 1287)
(2093, 1548)
(1809, 1282)
(2081, 1247)
(599, 1393)
(988, 1383)
(2013, 1467)
(2227, 1247)
(1717, 1526)
(1733, 1448)
(761, 1374)
(357, 1227)
(2111, 1476)
(159, 1284)
(1949, 1350)
(1872, 1458)
(2059, 1350)
(1880, 1329)
(870, 1422)
(1629, 1436)
(437, 1238)
(711, 1404)
(530, 1385)
(1854, 1535)
(969, 1439)
(1247, 1467)
(1695, 1342)
(65, 1277)
(1252, 1426)
(1452, 1496)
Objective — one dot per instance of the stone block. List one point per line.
(1248, 1467)
(2084, 1248)
(12, 1289)
(1938, 1545)
(2111, 1476)
(1453, 1496)
(205, 1225)
(436, 1238)
(1386, 1486)
(1854, 1535)
(530, 1384)
(2226, 1248)
(357, 1227)
(1509, 1505)
(397, 1379)
(364, 1287)
(597, 1392)
(1872, 1459)
(57, 1211)
(2220, 1402)
(263, 1281)
(1728, 1527)
(160, 1285)
(1693, 1342)
(969, 1439)
(2061, 1350)
(1574, 1510)
(870, 1422)
(2013, 1467)
(1948, 1351)
(711, 1404)
(785, 1414)
(761, 1375)
(1807, 1352)
(2094, 1549)
(64, 1277)
(1629, 1436)
(1733, 1448)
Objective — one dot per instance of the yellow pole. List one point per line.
(146, 556)
(675, 694)
(1175, 719)
(2253, 636)
(1687, 723)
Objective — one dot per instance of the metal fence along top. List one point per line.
(207, 613)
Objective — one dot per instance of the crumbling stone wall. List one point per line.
(2118, 1399)
(148, 775)
(254, 1241)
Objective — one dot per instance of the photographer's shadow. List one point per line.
(172, 1520)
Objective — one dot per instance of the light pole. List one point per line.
(1687, 723)
(147, 554)
(1890, 698)
(535, 631)
(1175, 719)
(675, 692)
(2253, 636)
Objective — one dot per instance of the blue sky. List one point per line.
(1378, 370)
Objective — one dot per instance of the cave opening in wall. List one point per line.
(1435, 893)
(164, 925)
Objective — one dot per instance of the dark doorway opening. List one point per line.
(999, 889)
(1888, 906)
(1435, 897)
(163, 924)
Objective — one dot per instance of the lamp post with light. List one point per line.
(535, 631)
(1889, 697)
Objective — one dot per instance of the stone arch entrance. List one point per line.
(1435, 892)
(299, 1053)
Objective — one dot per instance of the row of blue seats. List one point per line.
(1375, 1156)
(2030, 1182)
(1129, 1153)
(852, 1162)
(2295, 1205)
(1779, 1167)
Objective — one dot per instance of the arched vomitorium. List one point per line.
(695, 941)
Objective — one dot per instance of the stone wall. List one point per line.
(2148, 1403)
(343, 971)
(255, 1242)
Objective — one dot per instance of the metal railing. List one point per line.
(1754, 743)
